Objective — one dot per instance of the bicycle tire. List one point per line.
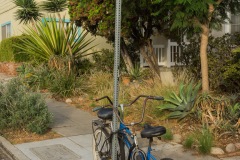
(107, 149)
(138, 154)
(101, 146)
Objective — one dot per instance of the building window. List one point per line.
(235, 26)
(6, 30)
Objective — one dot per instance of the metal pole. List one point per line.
(116, 75)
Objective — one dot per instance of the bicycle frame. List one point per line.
(124, 130)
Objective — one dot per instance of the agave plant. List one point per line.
(48, 43)
(181, 104)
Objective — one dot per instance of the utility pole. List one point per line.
(116, 75)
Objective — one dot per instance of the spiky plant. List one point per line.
(48, 44)
(181, 104)
(54, 6)
(27, 12)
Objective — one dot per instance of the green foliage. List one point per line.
(187, 16)
(35, 77)
(233, 112)
(61, 83)
(223, 64)
(205, 140)
(168, 135)
(181, 104)
(232, 72)
(136, 72)
(65, 84)
(10, 53)
(48, 43)
(188, 143)
(104, 61)
(54, 5)
(20, 109)
(27, 11)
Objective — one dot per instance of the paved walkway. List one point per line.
(76, 143)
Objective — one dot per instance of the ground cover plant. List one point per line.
(20, 109)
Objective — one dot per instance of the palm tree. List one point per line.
(57, 6)
(27, 12)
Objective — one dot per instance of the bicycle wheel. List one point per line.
(101, 144)
(138, 154)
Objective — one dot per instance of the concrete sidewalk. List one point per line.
(76, 144)
(75, 126)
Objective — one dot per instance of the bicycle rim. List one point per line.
(138, 154)
(101, 144)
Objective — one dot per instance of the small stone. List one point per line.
(230, 148)
(68, 100)
(216, 151)
(177, 138)
(237, 145)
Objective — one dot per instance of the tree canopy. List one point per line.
(138, 20)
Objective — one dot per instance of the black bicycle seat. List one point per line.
(149, 131)
(105, 113)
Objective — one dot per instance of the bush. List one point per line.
(22, 110)
(188, 143)
(222, 62)
(9, 52)
(64, 84)
(104, 61)
(35, 77)
(168, 135)
(205, 140)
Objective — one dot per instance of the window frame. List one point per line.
(8, 33)
(235, 24)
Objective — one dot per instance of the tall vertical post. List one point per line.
(116, 75)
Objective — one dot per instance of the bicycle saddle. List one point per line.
(149, 131)
(105, 113)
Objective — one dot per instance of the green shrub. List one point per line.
(64, 84)
(104, 61)
(9, 52)
(205, 140)
(231, 73)
(188, 143)
(36, 77)
(168, 135)
(223, 64)
(20, 109)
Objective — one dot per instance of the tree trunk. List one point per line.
(126, 57)
(153, 66)
(203, 57)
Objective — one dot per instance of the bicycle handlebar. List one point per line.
(105, 97)
(147, 97)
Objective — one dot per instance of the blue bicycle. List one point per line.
(128, 148)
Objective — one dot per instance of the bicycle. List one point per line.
(127, 140)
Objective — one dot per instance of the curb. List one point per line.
(15, 153)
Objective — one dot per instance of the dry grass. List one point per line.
(22, 136)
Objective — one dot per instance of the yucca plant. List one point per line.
(28, 11)
(181, 104)
(48, 43)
